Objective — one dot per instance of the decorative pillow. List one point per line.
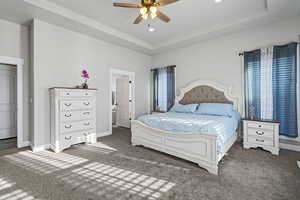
(188, 108)
(220, 109)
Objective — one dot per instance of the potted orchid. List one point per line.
(85, 76)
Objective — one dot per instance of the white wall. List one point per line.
(14, 42)
(61, 55)
(218, 59)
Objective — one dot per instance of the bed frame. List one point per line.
(197, 147)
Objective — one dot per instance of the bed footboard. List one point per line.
(200, 148)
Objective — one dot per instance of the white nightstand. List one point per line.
(260, 133)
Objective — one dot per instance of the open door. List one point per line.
(123, 102)
(8, 101)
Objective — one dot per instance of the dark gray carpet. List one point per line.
(8, 143)
(113, 169)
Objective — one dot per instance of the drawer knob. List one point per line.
(87, 123)
(68, 127)
(68, 104)
(260, 133)
(86, 93)
(85, 134)
(86, 103)
(70, 115)
(68, 93)
(258, 140)
(68, 138)
(259, 126)
(86, 113)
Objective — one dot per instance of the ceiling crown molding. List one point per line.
(69, 14)
(58, 15)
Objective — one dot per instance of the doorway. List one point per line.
(122, 102)
(8, 106)
(11, 102)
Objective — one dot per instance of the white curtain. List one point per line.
(266, 83)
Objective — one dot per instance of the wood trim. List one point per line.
(72, 88)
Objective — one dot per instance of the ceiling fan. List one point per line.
(148, 8)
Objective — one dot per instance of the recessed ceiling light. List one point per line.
(150, 28)
(218, 1)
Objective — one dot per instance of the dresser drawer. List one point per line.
(260, 132)
(76, 126)
(76, 105)
(260, 125)
(76, 93)
(66, 116)
(261, 141)
(78, 138)
(65, 141)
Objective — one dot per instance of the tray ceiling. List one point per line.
(190, 19)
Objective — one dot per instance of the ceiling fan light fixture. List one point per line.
(148, 9)
(153, 9)
(145, 16)
(153, 15)
(143, 10)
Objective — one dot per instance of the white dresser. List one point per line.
(73, 117)
(264, 134)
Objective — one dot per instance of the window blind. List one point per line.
(285, 88)
(163, 88)
(252, 84)
(271, 86)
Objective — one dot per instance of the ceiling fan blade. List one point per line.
(127, 5)
(162, 16)
(164, 2)
(138, 19)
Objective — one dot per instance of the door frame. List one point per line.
(131, 76)
(19, 63)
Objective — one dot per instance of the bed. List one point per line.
(203, 139)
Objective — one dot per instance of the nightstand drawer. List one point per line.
(260, 141)
(260, 132)
(260, 125)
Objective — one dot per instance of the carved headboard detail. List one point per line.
(206, 92)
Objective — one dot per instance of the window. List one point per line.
(271, 86)
(163, 88)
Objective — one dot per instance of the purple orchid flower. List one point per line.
(85, 74)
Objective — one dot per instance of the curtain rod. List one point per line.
(242, 53)
(163, 67)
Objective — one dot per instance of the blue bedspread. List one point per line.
(223, 126)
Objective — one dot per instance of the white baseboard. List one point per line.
(40, 148)
(291, 147)
(24, 144)
(47, 146)
(102, 134)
